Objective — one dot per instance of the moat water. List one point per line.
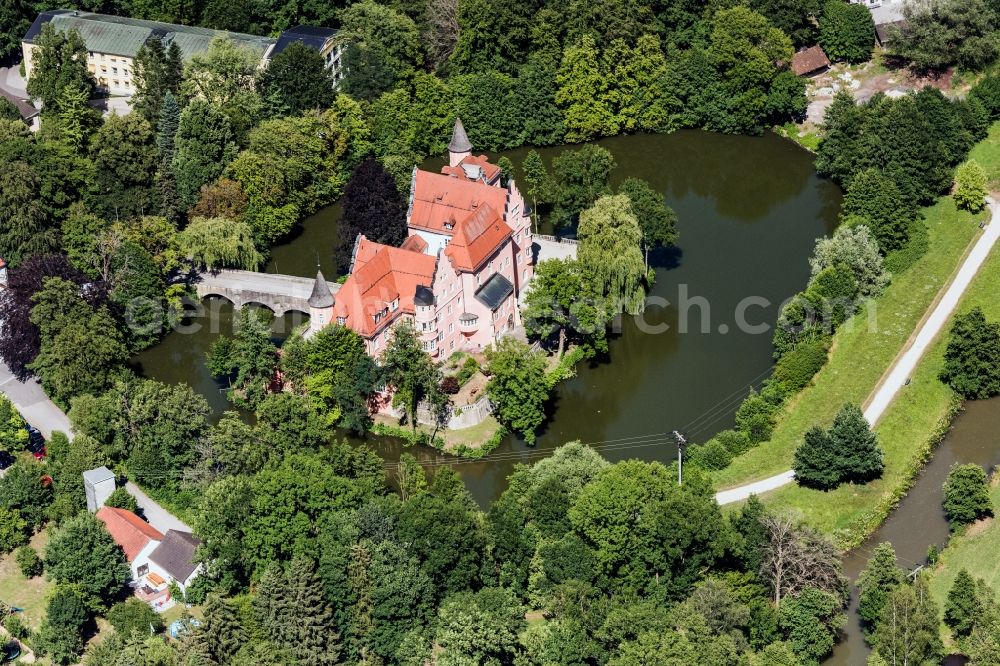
(749, 208)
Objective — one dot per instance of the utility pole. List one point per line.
(681, 442)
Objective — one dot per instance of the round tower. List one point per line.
(460, 146)
(320, 304)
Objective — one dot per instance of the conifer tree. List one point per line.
(222, 631)
(815, 464)
(859, 457)
(166, 180)
(972, 358)
(966, 495)
(877, 581)
(297, 618)
(962, 609)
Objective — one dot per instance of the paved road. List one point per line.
(155, 514)
(29, 399)
(905, 363)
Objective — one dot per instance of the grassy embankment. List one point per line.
(860, 356)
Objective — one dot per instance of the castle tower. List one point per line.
(460, 146)
(98, 484)
(320, 304)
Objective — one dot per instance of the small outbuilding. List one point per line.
(810, 62)
(29, 114)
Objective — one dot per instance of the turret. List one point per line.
(460, 146)
(320, 304)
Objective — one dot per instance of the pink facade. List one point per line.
(459, 276)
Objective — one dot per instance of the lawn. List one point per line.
(988, 157)
(18, 591)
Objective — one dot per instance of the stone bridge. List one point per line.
(279, 293)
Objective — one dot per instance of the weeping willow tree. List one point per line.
(610, 248)
(217, 242)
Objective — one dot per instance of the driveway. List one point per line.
(155, 514)
(36, 408)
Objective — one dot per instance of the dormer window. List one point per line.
(341, 320)
(395, 304)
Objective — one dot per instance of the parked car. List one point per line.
(36, 442)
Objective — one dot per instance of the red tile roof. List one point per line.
(476, 238)
(128, 530)
(488, 172)
(809, 60)
(380, 275)
(440, 200)
(413, 243)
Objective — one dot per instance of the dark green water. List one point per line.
(750, 209)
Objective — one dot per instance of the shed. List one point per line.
(810, 61)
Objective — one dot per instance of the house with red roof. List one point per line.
(156, 559)
(459, 275)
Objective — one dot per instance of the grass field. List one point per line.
(18, 591)
(989, 157)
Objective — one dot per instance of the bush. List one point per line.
(469, 368)
(29, 562)
(797, 367)
(17, 627)
(450, 385)
(755, 418)
(13, 530)
(122, 499)
(198, 590)
(736, 442)
(134, 615)
(919, 242)
(987, 92)
(966, 495)
(712, 455)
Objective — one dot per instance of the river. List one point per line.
(750, 209)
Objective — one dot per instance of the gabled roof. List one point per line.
(128, 530)
(459, 139)
(476, 238)
(414, 243)
(440, 200)
(175, 554)
(315, 37)
(381, 275)
(495, 291)
(24, 107)
(124, 36)
(321, 296)
(809, 60)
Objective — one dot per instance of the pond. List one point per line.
(750, 209)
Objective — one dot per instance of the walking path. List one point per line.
(36, 408)
(905, 363)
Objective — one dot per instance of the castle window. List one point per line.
(341, 320)
(395, 304)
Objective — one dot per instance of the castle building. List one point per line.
(459, 275)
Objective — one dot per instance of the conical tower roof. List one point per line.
(321, 296)
(459, 139)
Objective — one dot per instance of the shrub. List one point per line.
(134, 615)
(198, 590)
(970, 187)
(797, 367)
(755, 418)
(122, 499)
(28, 561)
(987, 92)
(469, 368)
(966, 495)
(919, 242)
(17, 627)
(13, 530)
(713, 455)
(736, 442)
(450, 385)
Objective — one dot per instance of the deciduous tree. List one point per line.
(610, 239)
(13, 429)
(373, 207)
(218, 242)
(970, 187)
(81, 552)
(58, 60)
(517, 388)
(298, 80)
(846, 32)
(966, 495)
(908, 631)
